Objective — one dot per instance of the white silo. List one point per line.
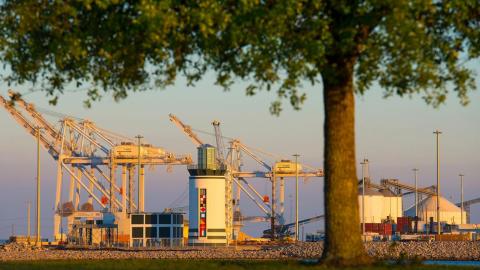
(373, 205)
(427, 208)
(206, 200)
(380, 205)
(392, 205)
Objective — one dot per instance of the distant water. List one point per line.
(457, 263)
(3, 241)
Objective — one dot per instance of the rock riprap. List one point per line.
(380, 250)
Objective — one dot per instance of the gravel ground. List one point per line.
(381, 250)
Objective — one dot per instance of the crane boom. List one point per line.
(186, 129)
(219, 140)
(30, 108)
(29, 127)
(251, 154)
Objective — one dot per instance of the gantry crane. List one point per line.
(90, 156)
(236, 177)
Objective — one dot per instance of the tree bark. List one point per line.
(343, 244)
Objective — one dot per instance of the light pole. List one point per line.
(415, 171)
(296, 196)
(365, 161)
(140, 185)
(437, 133)
(461, 202)
(38, 240)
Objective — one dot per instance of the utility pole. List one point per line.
(364, 163)
(296, 196)
(461, 203)
(140, 185)
(38, 233)
(28, 221)
(415, 171)
(437, 133)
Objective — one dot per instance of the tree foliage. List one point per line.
(406, 46)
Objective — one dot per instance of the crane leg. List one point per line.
(130, 188)
(237, 198)
(282, 197)
(58, 196)
(124, 189)
(77, 190)
(71, 188)
(141, 189)
(272, 219)
(112, 192)
(90, 187)
(71, 194)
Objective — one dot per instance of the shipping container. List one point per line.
(371, 227)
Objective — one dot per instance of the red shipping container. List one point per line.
(385, 229)
(404, 224)
(371, 227)
(388, 229)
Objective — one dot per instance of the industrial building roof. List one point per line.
(430, 204)
(387, 193)
(369, 191)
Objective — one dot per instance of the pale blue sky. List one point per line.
(395, 134)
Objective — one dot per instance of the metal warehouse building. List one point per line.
(156, 230)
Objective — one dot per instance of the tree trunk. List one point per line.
(343, 244)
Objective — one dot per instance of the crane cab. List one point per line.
(286, 167)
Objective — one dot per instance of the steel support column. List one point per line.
(124, 189)
(58, 196)
(76, 199)
(272, 225)
(131, 172)
(90, 187)
(282, 198)
(112, 184)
